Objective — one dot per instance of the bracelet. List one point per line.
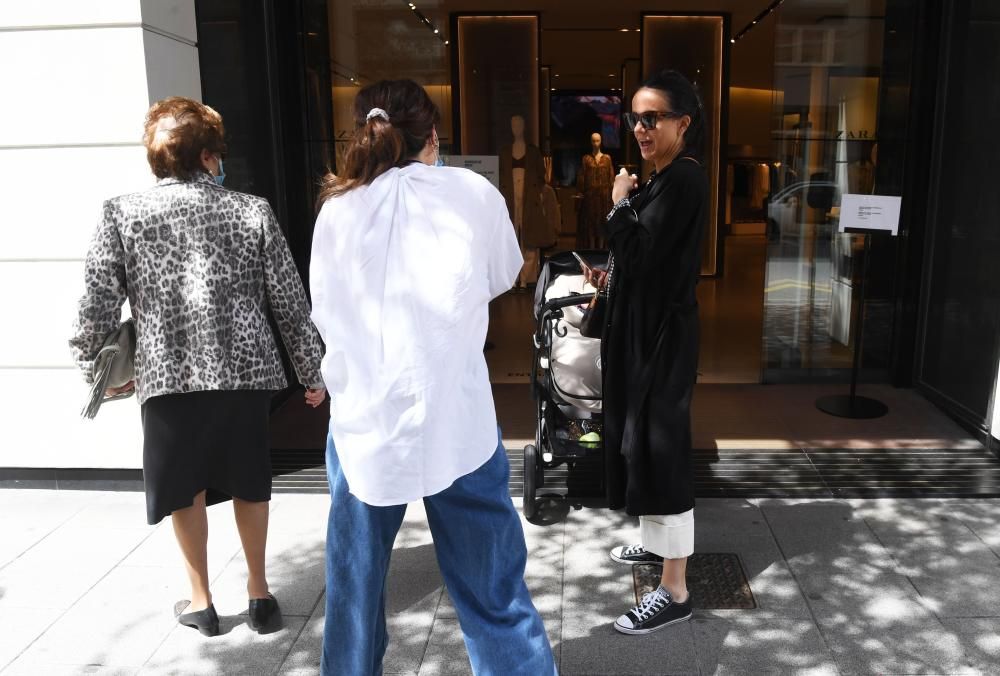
(623, 202)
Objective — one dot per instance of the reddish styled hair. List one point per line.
(177, 129)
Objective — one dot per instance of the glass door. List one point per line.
(825, 144)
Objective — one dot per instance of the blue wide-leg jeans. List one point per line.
(481, 552)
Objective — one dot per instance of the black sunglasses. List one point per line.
(648, 119)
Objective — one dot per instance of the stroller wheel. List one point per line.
(530, 481)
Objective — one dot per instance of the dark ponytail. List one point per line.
(683, 98)
(378, 145)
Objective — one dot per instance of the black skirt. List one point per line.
(214, 441)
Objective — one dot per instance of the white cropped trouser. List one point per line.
(668, 535)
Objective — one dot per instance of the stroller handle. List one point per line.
(566, 301)
(553, 307)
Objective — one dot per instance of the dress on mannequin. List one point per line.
(597, 178)
(522, 177)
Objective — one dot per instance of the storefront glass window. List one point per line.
(372, 41)
(794, 110)
(828, 61)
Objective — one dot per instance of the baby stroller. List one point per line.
(567, 459)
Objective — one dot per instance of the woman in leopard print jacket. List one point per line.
(201, 267)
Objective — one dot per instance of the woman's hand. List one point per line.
(315, 397)
(115, 391)
(624, 184)
(595, 277)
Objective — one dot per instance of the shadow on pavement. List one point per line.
(870, 587)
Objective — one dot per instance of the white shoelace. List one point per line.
(633, 550)
(652, 603)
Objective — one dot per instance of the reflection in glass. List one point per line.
(371, 42)
(498, 80)
(827, 74)
(695, 46)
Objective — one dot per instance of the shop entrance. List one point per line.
(820, 98)
(793, 88)
(557, 80)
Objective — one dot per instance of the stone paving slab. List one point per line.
(120, 622)
(980, 639)
(761, 643)
(918, 648)
(238, 650)
(59, 570)
(70, 670)
(20, 627)
(304, 656)
(446, 654)
(843, 586)
(840, 565)
(160, 547)
(45, 517)
(599, 649)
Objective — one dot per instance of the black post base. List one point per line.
(844, 406)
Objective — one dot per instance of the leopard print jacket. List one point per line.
(201, 267)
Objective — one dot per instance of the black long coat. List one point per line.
(651, 342)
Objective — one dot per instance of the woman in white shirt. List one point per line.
(406, 258)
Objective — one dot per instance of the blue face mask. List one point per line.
(439, 162)
(222, 175)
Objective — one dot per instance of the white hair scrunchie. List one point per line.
(377, 112)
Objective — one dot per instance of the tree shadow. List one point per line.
(876, 586)
(842, 586)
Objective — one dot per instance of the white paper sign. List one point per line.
(487, 166)
(870, 212)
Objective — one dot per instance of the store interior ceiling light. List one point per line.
(775, 4)
(427, 22)
(341, 71)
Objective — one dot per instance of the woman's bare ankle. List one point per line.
(199, 601)
(679, 595)
(258, 590)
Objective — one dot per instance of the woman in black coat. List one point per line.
(650, 346)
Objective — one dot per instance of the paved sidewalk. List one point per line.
(848, 587)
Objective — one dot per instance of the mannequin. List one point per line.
(597, 177)
(522, 177)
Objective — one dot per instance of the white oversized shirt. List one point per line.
(401, 276)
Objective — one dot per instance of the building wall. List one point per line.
(77, 80)
(961, 305)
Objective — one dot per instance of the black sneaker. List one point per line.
(656, 611)
(634, 555)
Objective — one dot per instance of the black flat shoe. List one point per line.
(264, 612)
(206, 621)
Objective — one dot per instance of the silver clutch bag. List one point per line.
(113, 367)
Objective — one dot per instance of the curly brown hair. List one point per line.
(177, 129)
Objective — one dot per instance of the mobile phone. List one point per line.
(583, 263)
